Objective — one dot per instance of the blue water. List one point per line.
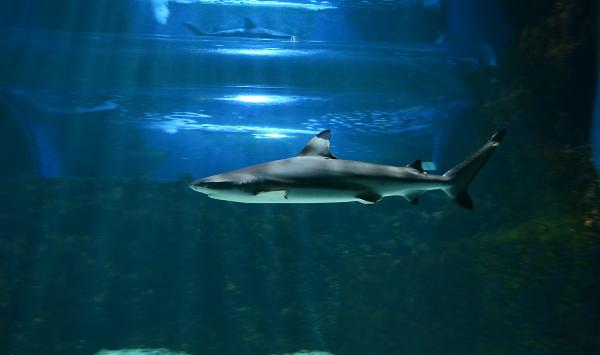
(198, 106)
(108, 110)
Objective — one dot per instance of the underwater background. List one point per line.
(110, 108)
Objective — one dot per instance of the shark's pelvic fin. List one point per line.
(369, 197)
(461, 175)
(318, 146)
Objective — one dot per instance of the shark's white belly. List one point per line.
(313, 195)
(294, 195)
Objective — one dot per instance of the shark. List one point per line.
(315, 175)
(250, 30)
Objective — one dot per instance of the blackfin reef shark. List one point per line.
(250, 30)
(315, 175)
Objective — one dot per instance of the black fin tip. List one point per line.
(498, 136)
(326, 134)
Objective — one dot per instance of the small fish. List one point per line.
(315, 175)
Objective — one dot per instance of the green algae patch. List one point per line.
(534, 282)
(529, 287)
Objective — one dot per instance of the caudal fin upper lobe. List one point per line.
(461, 176)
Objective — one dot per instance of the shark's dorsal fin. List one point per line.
(417, 165)
(249, 24)
(318, 146)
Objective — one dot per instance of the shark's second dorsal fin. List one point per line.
(318, 146)
(417, 165)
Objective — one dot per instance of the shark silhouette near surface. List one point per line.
(250, 30)
(317, 176)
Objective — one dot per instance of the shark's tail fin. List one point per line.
(195, 30)
(461, 175)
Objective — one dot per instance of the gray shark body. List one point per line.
(317, 176)
(248, 31)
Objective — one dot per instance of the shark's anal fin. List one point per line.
(318, 146)
(413, 197)
(369, 197)
(414, 200)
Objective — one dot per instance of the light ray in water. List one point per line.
(174, 125)
(270, 135)
(265, 52)
(161, 7)
(261, 99)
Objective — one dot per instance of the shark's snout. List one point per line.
(200, 186)
(208, 186)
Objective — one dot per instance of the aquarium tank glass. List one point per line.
(379, 222)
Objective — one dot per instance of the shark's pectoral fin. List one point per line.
(369, 197)
(318, 146)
